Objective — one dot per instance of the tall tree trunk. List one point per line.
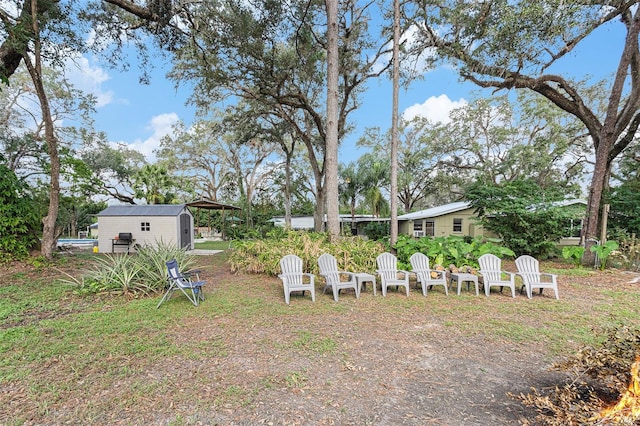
(287, 190)
(319, 211)
(394, 125)
(331, 150)
(599, 184)
(49, 231)
(606, 142)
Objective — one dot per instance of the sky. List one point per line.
(139, 115)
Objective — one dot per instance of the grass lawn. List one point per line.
(214, 245)
(245, 357)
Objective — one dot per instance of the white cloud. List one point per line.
(89, 79)
(435, 109)
(159, 126)
(414, 64)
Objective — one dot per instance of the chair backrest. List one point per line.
(528, 268)
(327, 263)
(387, 266)
(490, 266)
(172, 268)
(174, 271)
(291, 266)
(328, 266)
(419, 262)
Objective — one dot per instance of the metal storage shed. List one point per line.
(123, 228)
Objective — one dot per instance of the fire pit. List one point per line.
(629, 404)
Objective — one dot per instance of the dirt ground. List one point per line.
(409, 367)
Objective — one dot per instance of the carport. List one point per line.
(208, 204)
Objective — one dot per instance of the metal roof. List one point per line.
(436, 211)
(146, 210)
(205, 203)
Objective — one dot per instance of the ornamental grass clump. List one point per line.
(262, 256)
(140, 274)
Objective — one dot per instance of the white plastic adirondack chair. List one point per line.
(293, 278)
(333, 277)
(425, 276)
(390, 274)
(529, 270)
(493, 275)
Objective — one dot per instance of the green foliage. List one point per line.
(628, 254)
(603, 251)
(625, 207)
(152, 259)
(18, 219)
(136, 275)
(377, 230)
(573, 253)
(625, 198)
(448, 250)
(154, 184)
(523, 214)
(263, 255)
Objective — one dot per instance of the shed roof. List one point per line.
(436, 211)
(205, 203)
(146, 210)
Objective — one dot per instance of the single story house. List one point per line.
(459, 219)
(145, 225)
(93, 230)
(441, 221)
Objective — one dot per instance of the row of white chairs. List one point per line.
(295, 279)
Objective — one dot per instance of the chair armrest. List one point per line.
(443, 273)
(191, 273)
(511, 275)
(298, 274)
(553, 277)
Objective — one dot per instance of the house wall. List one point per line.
(161, 228)
(444, 225)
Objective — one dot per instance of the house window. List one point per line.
(457, 225)
(430, 228)
(145, 226)
(417, 229)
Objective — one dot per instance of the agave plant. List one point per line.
(132, 275)
(152, 259)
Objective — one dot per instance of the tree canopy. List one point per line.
(506, 44)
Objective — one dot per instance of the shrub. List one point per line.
(377, 230)
(603, 251)
(573, 253)
(448, 250)
(135, 275)
(18, 218)
(523, 214)
(263, 255)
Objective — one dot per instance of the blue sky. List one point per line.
(139, 115)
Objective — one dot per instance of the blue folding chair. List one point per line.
(188, 283)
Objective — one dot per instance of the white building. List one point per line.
(146, 225)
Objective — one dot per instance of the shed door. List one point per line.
(185, 231)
